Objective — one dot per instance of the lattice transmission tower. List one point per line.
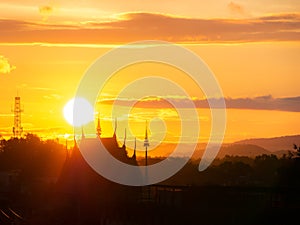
(17, 128)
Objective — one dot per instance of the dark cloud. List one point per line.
(140, 26)
(291, 104)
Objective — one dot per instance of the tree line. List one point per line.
(35, 158)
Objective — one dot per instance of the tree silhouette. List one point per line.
(297, 148)
(31, 156)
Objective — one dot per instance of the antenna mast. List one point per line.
(17, 128)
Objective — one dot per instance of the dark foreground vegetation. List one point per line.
(40, 183)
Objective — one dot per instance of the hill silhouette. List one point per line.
(273, 144)
(249, 150)
(248, 147)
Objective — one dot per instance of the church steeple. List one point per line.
(115, 131)
(124, 144)
(67, 151)
(99, 127)
(146, 144)
(82, 133)
(134, 150)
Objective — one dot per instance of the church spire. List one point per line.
(98, 126)
(82, 133)
(124, 144)
(146, 144)
(74, 141)
(134, 150)
(115, 131)
(67, 151)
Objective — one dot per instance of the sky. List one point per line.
(252, 47)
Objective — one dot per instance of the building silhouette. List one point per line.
(82, 187)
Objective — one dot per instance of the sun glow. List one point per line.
(84, 112)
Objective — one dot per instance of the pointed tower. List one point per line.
(124, 144)
(67, 151)
(115, 131)
(146, 144)
(82, 133)
(99, 127)
(134, 150)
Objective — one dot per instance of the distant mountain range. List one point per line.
(273, 144)
(242, 150)
(253, 147)
(249, 147)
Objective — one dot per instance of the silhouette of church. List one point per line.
(112, 145)
(82, 187)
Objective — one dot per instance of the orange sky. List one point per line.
(252, 47)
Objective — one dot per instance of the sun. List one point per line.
(84, 112)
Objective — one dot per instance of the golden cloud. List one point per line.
(45, 11)
(5, 66)
(143, 26)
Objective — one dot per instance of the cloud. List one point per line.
(35, 88)
(291, 104)
(52, 97)
(236, 8)
(5, 66)
(6, 114)
(147, 26)
(41, 88)
(45, 11)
